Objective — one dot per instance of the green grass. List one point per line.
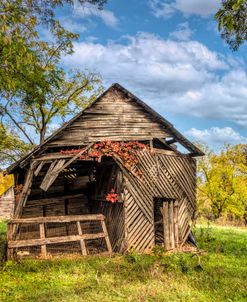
(157, 277)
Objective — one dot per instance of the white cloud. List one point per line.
(202, 8)
(183, 32)
(178, 76)
(89, 10)
(72, 25)
(216, 136)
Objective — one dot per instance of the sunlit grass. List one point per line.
(157, 277)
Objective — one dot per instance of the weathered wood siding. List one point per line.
(114, 117)
(164, 176)
(7, 204)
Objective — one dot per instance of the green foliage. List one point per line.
(222, 182)
(11, 147)
(34, 89)
(34, 119)
(22, 52)
(156, 277)
(232, 22)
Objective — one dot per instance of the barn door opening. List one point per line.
(166, 222)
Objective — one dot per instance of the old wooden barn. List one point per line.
(110, 179)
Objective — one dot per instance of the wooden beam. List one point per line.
(26, 190)
(59, 219)
(53, 240)
(40, 166)
(171, 141)
(52, 174)
(43, 201)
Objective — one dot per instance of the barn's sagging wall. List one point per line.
(164, 176)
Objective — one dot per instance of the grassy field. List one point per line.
(158, 277)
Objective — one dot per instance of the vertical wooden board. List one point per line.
(10, 251)
(176, 230)
(82, 241)
(166, 226)
(108, 243)
(171, 224)
(42, 236)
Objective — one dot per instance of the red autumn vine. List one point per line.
(126, 151)
(112, 196)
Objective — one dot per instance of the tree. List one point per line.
(222, 182)
(33, 119)
(11, 147)
(232, 22)
(20, 44)
(35, 90)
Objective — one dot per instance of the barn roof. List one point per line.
(175, 134)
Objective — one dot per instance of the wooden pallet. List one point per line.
(43, 241)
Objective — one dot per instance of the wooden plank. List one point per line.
(176, 228)
(59, 219)
(108, 243)
(10, 251)
(35, 202)
(166, 225)
(53, 240)
(171, 225)
(52, 174)
(82, 242)
(38, 169)
(76, 156)
(26, 190)
(42, 236)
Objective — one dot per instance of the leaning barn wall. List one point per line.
(164, 176)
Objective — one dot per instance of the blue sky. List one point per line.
(170, 55)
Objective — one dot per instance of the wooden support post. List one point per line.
(108, 243)
(82, 242)
(42, 236)
(25, 192)
(10, 251)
